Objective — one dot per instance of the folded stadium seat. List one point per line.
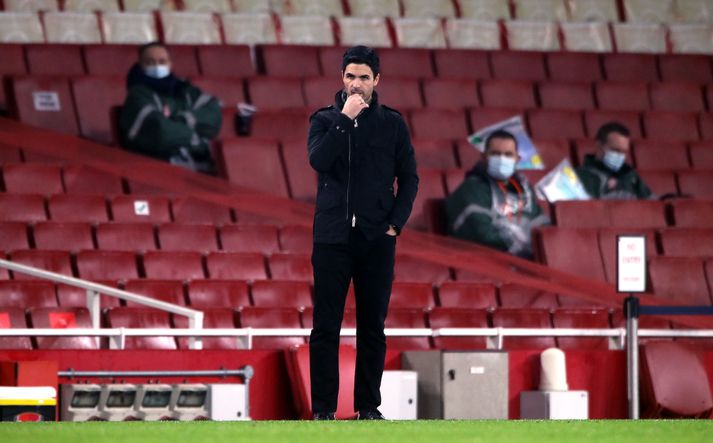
(660, 182)
(319, 92)
(27, 294)
(692, 213)
(542, 10)
(228, 90)
(581, 319)
(419, 32)
(194, 28)
(142, 318)
(430, 186)
(81, 179)
(690, 38)
(213, 293)
(294, 238)
(77, 208)
(302, 179)
(135, 208)
(400, 94)
(250, 238)
(552, 124)
(23, 208)
(207, 5)
(189, 210)
(9, 153)
(272, 93)
(532, 36)
(436, 153)
(679, 279)
(292, 267)
(461, 64)
(249, 28)
(91, 5)
(106, 265)
(13, 235)
(646, 11)
(410, 269)
(622, 96)
(54, 60)
(594, 119)
(630, 67)
(705, 122)
(333, 8)
(608, 244)
(687, 242)
(566, 95)
(213, 318)
(179, 265)
(119, 236)
(455, 177)
(74, 297)
(14, 318)
(183, 59)
(453, 294)
(141, 188)
(640, 37)
(409, 295)
(428, 8)
(277, 61)
(451, 93)
(232, 61)
(13, 64)
(281, 294)
(674, 381)
(170, 291)
(482, 117)
(406, 318)
(63, 236)
(637, 213)
(588, 36)
(404, 62)
(21, 27)
(573, 67)
(240, 158)
(645, 322)
(524, 318)
(468, 156)
(236, 266)
(256, 317)
(458, 318)
(552, 152)
(148, 5)
(94, 98)
(371, 8)
(131, 27)
(701, 155)
(516, 296)
(63, 318)
(307, 30)
(670, 126)
(281, 124)
(514, 65)
(465, 33)
(187, 237)
(54, 261)
(71, 27)
(507, 94)
(370, 31)
(437, 123)
(570, 250)
(682, 97)
(32, 178)
(685, 68)
(655, 155)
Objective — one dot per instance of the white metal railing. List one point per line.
(95, 290)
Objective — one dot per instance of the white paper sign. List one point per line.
(46, 101)
(631, 263)
(141, 207)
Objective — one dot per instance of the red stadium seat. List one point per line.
(524, 318)
(682, 97)
(301, 178)
(514, 65)
(622, 96)
(13, 235)
(187, 237)
(450, 93)
(271, 318)
(645, 321)
(573, 96)
(53, 261)
(569, 250)
(184, 60)
(687, 242)
(685, 68)
(482, 117)
(14, 318)
(78, 208)
(189, 210)
(320, 91)
(551, 153)
(585, 319)
(55, 59)
(552, 125)
(407, 62)
(406, 295)
(515, 296)
(409, 269)
(142, 318)
(468, 155)
(126, 236)
(109, 60)
(434, 153)
(170, 291)
(94, 98)
(80, 179)
(9, 153)
(406, 318)
(23, 208)
(574, 67)
(434, 211)
(434, 123)
(292, 267)
(226, 60)
(630, 67)
(106, 265)
(657, 156)
(681, 279)
(250, 238)
(294, 238)
(63, 318)
(698, 184)
(241, 157)
(173, 265)
(277, 294)
(637, 213)
(277, 60)
(458, 318)
(274, 94)
(143, 189)
(692, 213)
(26, 178)
(402, 94)
(660, 182)
(212, 319)
(705, 123)
(467, 295)
(13, 57)
(499, 93)
(213, 293)
(54, 108)
(430, 185)
(462, 64)
(595, 119)
(608, 245)
(701, 155)
(63, 236)
(133, 208)
(74, 297)
(236, 266)
(581, 213)
(27, 294)
(670, 126)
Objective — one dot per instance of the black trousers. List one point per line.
(370, 264)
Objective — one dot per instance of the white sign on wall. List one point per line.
(46, 101)
(631, 263)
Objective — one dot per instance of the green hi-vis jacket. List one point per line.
(480, 212)
(601, 182)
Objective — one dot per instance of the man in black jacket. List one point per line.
(358, 147)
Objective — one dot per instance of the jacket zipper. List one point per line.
(349, 176)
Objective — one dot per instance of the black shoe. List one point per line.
(371, 414)
(323, 416)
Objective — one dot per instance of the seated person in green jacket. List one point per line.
(495, 206)
(166, 117)
(605, 174)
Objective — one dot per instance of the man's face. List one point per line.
(615, 142)
(155, 55)
(502, 147)
(359, 79)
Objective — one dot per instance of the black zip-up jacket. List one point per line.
(357, 162)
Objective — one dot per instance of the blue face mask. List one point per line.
(157, 71)
(501, 167)
(613, 160)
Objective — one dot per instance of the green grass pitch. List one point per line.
(594, 431)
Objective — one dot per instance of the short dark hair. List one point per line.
(611, 128)
(501, 134)
(361, 55)
(144, 48)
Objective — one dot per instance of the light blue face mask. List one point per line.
(157, 71)
(613, 160)
(501, 167)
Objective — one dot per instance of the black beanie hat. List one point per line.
(361, 55)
